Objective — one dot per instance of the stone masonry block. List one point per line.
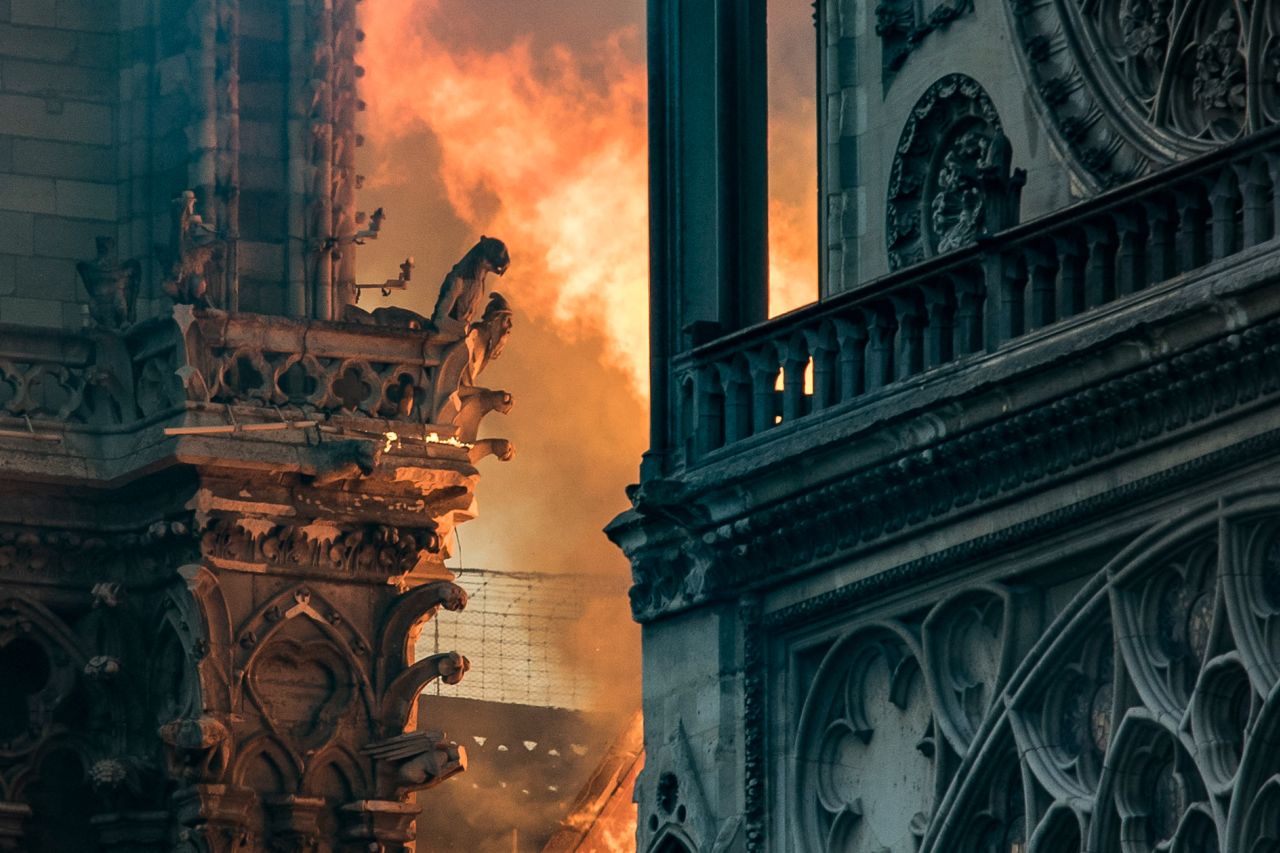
(6, 153)
(48, 278)
(30, 312)
(97, 50)
(43, 78)
(8, 274)
(32, 43)
(6, 10)
(92, 15)
(60, 237)
(63, 160)
(33, 13)
(25, 193)
(51, 118)
(84, 200)
(16, 233)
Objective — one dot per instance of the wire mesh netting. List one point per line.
(514, 630)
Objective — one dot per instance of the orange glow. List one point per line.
(558, 138)
(564, 154)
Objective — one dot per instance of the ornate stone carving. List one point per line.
(903, 24)
(369, 549)
(112, 285)
(193, 247)
(1132, 732)
(1136, 84)
(952, 179)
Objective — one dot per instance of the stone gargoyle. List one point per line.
(112, 285)
(403, 691)
(458, 303)
(193, 245)
(415, 761)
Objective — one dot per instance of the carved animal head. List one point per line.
(493, 252)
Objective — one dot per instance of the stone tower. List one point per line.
(981, 551)
(226, 493)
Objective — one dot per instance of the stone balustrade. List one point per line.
(954, 306)
(316, 369)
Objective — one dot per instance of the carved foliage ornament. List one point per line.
(1143, 719)
(903, 24)
(1136, 84)
(951, 180)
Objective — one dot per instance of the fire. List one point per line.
(558, 138)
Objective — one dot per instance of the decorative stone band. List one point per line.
(104, 379)
(938, 312)
(995, 461)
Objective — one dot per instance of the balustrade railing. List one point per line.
(975, 299)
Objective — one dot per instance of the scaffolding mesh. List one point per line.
(513, 631)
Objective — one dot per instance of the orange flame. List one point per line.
(558, 138)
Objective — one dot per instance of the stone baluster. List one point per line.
(763, 364)
(1192, 215)
(1000, 302)
(1222, 206)
(940, 311)
(1131, 260)
(880, 334)
(1273, 171)
(851, 336)
(709, 411)
(1100, 268)
(1042, 272)
(736, 380)
(822, 344)
(968, 325)
(1255, 186)
(1161, 251)
(1071, 277)
(908, 357)
(795, 363)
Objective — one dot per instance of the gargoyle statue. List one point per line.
(415, 761)
(1001, 186)
(464, 286)
(192, 246)
(460, 294)
(112, 286)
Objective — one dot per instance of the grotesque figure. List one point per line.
(112, 286)
(192, 246)
(415, 761)
(464, 286)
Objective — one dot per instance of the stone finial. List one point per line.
(112, 286)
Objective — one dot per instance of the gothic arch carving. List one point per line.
(1143, 718)
(951, 178)
(1132, 85)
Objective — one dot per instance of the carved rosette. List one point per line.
(947, 185)
(1143, 718)
(1132, 85)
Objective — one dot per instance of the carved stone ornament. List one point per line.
(952, 179)
(193, 247)
(903, 24)
(112, 286)
(1143, 718)
(1133, 85)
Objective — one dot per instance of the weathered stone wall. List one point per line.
(63, 103)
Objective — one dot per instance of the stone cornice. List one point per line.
(686, 558)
